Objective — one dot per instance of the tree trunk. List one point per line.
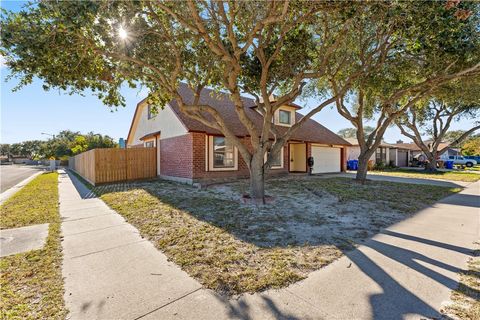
(362, 168)
(257, 179)
(431, 164)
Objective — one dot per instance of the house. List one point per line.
(414, 151)
(190, 151)
(386, 153)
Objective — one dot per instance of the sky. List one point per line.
(31, 111)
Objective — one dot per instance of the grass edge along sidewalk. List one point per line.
(31, 284)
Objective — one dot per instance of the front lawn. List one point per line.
(31, 284)
(420, 174)
(233, 248)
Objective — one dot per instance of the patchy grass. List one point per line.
(474, 168)
(439, 175)
(402, 197)
(234, 248)
(36, 203)
(466, 298)
(31, 284)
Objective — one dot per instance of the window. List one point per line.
(223, 153)
(380, 155)
(277, 161)
(451, 157)
(284, 117)
(151, 113)
(149, 144)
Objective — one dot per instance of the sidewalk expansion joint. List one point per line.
(89, 217)
(168, 303)
(93, 230)
(107, 249)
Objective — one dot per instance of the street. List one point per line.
(10, 175)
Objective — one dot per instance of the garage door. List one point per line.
(326, 159)
(402, 160)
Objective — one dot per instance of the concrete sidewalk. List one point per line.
(110, 271)
(406, 272)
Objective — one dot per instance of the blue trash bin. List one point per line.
(449, 164)
(355, 165)
(349, 164)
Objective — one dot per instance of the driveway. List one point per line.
(10, 175)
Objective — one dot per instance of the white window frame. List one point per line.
(276, 118)
(147, 141)
(281, 160)
(210, 157)
(290, 117)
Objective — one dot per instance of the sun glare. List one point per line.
(122, 33)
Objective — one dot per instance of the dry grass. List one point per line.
(234, 248)
(31, 282)
(439, 175)
(466, 298)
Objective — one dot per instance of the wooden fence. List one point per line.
(113, 165)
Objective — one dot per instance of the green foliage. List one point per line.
(352, 132)
(471, 147)
(61, 146)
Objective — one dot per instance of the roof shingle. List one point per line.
(310, 131)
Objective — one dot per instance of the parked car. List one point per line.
(460, 160)
(476, 158)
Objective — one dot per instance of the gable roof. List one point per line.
(310, 131)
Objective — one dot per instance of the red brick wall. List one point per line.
(199, 160)
(176, 156)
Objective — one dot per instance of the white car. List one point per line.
(460, 161)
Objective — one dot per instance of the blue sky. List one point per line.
(27, 113)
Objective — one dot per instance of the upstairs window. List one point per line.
(150, 114)
(223, 153)
(284, 117)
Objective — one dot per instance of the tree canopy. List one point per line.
(65, 144)
(384, 55)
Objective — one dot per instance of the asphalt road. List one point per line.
(10, 175)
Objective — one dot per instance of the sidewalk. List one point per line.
(110, 271)
(407, 271)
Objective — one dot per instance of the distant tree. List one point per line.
(471, 147)
(434, 117)
(352, 132)
(79, 145)
(5, 149)
(90, 141)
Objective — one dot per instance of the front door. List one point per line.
(298, 157)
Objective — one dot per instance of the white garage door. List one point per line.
(326, 159)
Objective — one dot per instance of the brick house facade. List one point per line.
(185, 147)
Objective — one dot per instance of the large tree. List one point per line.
(429, 46)
(434, 118)
(255, 47)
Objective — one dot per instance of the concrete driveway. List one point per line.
(10, 175)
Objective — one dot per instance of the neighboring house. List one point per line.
(386, 153)
(190, 151)
(414, 151)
